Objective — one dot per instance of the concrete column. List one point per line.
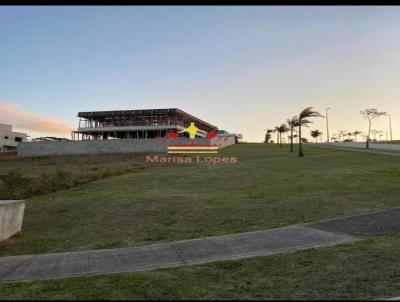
(11, 216)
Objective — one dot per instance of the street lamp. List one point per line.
(390, 124)
(390, 127)
(327, 125)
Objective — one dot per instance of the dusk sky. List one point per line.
(243, 69)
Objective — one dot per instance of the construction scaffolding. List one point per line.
(123, 124)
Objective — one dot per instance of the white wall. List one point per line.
(108, 146)
(7, 137)
(224, 140)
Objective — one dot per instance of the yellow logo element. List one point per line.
(193, 147)
(192, 130)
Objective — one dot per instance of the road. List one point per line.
(361, 145)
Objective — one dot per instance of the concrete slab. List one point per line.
(377, 223)
(186, 252)
(11, 216)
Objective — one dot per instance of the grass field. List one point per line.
(21, 178)
(35, 166)
(269, 187)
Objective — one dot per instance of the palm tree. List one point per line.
(276, 129)
(281, 129)
(356, 132)
(315, 134)
(292, 123)
(303, 116)
(294, 136)
(342, 134)
(268, 135)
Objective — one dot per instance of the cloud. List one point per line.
(27, 121)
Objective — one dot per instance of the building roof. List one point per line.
(9, 129)
(125, 113)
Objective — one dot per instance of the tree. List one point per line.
(315, 134)
(370, 114)
(294, 136)
(342, 134)
(374, 132)
(303, 116)
(356, 132)
(293, 123)
(276, 129)
(281, 129)
(268, 135)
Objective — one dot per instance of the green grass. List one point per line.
(368, 269)
(269, 187)
(76, 165)
(21, 178)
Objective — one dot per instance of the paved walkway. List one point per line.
(204, 250)
(385, 149)
(187, 252)
(372, 145)
(386, 221)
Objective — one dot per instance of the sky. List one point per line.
(243, 69)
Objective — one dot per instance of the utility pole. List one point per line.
(327, 125)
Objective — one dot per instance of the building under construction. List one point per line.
(122, 124)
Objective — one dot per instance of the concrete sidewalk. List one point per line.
(189, 252)
(376, 223)
(375, 149)
(179, 253)
(361, 145)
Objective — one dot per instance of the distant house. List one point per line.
(225, 133)
(8, 139)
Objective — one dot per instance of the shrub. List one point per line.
(47, 183)
(14, 185)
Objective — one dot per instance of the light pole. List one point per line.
(327, 125)
(390, 124)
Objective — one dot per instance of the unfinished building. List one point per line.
(123, 124)
(9, 139)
